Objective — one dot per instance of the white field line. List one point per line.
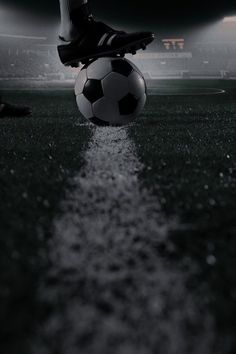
(108, 219)
(106, 200)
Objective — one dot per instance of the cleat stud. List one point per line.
(84, 62)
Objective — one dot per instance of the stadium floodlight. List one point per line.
(229, 19)
(4, 35)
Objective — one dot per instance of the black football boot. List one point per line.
(12, 110)
(97, 40)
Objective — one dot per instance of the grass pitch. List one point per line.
(38, 155)
(187, 147)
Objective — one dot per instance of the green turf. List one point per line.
(37, 155)
(188, 148)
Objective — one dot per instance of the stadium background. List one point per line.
(158, 14)
(29, 51)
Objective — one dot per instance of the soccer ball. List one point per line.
(110, 91)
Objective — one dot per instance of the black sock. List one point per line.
(75, 17)
(81, 17)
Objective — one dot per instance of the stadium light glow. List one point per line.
(4, 35)
(229, 19)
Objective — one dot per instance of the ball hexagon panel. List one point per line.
(99, 68)
(93, 90)
(121, 66)
(124, 120)
(85, 106)
(128, 104)
(136, 84)
(106, 110)
(80, 82)
(115, 86)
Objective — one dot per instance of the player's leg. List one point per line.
(87, 39)
(10, 110)
(74, 17)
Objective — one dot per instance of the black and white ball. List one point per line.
(110, 91)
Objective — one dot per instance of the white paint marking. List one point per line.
(107, 218)
(106, 198)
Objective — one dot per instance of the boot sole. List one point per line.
(129, 49)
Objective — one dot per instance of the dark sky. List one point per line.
(154, 13)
